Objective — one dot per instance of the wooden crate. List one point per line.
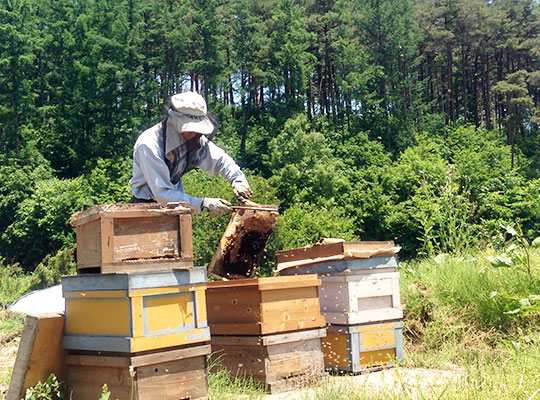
(135, 312)
(260, 306)
(165, 375)
(130, 237)
(360, 348)
(359, 298)
(282, 362)
(331, 250)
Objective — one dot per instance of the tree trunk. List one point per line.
(487, 100)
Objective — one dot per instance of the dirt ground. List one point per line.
(411, 383)
(8, 352)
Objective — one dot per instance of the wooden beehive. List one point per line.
(348, 299)
(243, 242)
(166, 375)
(130, 237)
(282, 362)
(353, 290)
(260, 306)
(359, 348)
(135, 312)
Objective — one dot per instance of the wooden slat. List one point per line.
(293, 336)
(267, 328)
(268, 283)
(186, 236)
(89, 245)
(107, 240)
(40, 353)
(166, 356)
(130, 267)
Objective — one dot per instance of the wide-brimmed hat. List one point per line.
(192, 114)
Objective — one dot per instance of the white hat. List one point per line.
(192, 114)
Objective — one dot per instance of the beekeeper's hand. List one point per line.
(242, 191)
(216, 207)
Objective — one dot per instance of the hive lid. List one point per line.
(134, 281)
(333, 249)
(129, 210)
(269, 283)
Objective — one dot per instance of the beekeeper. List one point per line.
(164, 153)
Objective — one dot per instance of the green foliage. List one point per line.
(48, 390)
(41, 223)
(108, 181)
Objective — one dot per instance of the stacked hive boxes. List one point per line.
(359, 297)
(268, 328)
(138, 322)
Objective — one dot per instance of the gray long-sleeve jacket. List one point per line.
(153, 155)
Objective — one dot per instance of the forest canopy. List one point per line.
(414, 121)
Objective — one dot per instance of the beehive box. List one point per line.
(349, 299)
(166, 375)
(129, 237)
(359, 348)
(135, 312)
(260, 306)
(354, 290)
(282, 362)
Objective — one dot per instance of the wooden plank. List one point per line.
(98, 361)
(173, 380)
(293, 336)
(186, 237)
(267, 328)
(141, 238)
(146, 266)
(320, 250)
(129, 210)
(40, 353)
(268, 283)
(107, 240)
(171, 355)
(89, 245)
(232, 306)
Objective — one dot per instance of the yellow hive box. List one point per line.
(135, 312)
(358, 348)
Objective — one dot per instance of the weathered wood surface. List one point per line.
(348, 265)
(286, 362)
(333, 250)
(40, 353)
(173, 375)
(358, 348)
(111, 236)
(260, 306)
(243, 242)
